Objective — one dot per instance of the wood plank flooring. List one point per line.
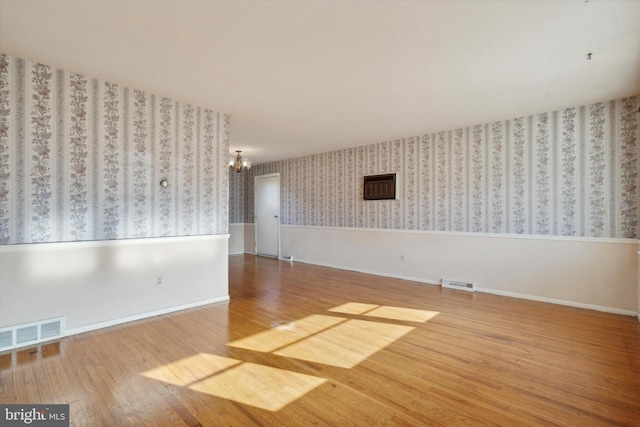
(302, 345)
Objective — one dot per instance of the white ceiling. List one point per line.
(303, 77)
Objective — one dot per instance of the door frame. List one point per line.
(255, 216)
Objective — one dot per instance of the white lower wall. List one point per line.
(593, 273)
(236, 239)
(249, 239)
(95, 284)
(242, 239)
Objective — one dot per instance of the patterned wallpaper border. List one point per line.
(572, 172)
(81, 159)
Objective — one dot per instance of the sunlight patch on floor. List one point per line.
(191, 369)
(332, 340)
(346, 345)
(399, 313)
(353, 308)
(248, 383)
(385, 312)
(279, 337)
(257, 385)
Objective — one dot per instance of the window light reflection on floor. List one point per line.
(385, 312)
(191, 369)
(333, 340)
(336, 341)
(279, 337)
(258, 385)
(243, 382)
(347, 344)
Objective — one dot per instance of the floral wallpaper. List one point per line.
(238, 195)
(82, 159)
(572, 172)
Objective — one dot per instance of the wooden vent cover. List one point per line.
(380, 187)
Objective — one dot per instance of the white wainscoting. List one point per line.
(243, 239)
(102, 283)
(600, 274)
(236, 239)
(249, 239)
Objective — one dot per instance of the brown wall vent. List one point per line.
(380, 187)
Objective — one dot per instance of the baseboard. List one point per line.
(559, 302)
(375, 273)
(114, 322)
(487, 290)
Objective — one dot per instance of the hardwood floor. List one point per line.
(304, 345)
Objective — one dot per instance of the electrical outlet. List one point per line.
(159, 280)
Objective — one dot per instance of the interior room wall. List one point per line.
(103, 283)
(238, 182)
(583, 272)
(236, 239)
(82, 159)
(81, 165)
(571, 173)
(241, 231)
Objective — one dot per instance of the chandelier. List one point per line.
(239, 163)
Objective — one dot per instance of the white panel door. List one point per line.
(267, 197)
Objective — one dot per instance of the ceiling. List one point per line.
(304, 77)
